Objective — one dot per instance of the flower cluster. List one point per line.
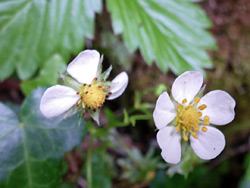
(186, 117)
(189, 117)
(91, 89)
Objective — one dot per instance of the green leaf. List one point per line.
(31, 146)
(48, 75)
(31, 31)
(171, 33)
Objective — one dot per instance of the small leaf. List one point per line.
(31, 146)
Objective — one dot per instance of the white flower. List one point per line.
(189, 118)
(91, 94)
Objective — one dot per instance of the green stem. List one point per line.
(89, 164)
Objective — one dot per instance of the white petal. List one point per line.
(84, 67)
(57, 100)
(170, 143)
(186, 86)
(220, 107)
(164, 111)
(118, 85)
(209, 144)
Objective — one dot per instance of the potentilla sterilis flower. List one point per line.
(90, 89)
(189, 117)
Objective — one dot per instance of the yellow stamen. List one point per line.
(178, 128)
(194, 135)
(199, 114)
(206, 118)
(197, 99)
(188, 119)
(204, 129)
(179, 106)
(185, 137)
(189, 106)
(93, 95)
(202, 107)
(206, 123)
(184, 101)
(197, 128)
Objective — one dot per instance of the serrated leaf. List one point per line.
(31, 31)
(31, 146)
(171, 33)
(48, 75)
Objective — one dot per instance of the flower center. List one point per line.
(188, 118)
(93, 95)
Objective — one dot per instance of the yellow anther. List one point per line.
(206, 123)
(204, 129)
(206, 118)
(189, 106)
(199, 114)
(184, 101)
(185, 137)
(179, 106)
(197, 128)
(197, 99)
(178, 128)
(188, 119)
(93, 95)
(194, 135)
(202, 107)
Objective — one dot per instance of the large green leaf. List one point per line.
(31, 146)
(31, 31)
(172, 33)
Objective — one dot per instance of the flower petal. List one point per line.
(118, 85)
(164, 111)
(220, 107)
(170, 143)
(186, 86)
(57, 100)
(209, 144)
(84, 67)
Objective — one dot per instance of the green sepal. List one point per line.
(71, 82)
(105, 74)
(95, 115)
